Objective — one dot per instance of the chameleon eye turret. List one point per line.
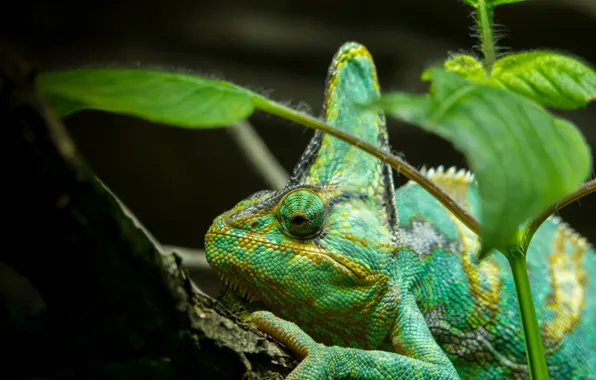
(302, 214)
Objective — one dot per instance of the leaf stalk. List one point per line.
(398, 164)
(587, 188)
(534, 349)
(485, 22)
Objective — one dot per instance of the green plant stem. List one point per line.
(587, 188)
(534, 349)
(485, 23)
(398, 164)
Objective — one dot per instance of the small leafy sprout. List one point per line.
(302, 213)
(548, 78)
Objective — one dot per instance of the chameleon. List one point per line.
(364, 281)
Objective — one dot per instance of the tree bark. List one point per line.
(84, 292)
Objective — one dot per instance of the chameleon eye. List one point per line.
(302, 213)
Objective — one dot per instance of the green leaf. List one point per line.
(523, 157)
(491, 3)
(64, 106)
(165, 97)
(551, 79)
(464, 65)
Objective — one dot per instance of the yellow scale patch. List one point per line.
(354, 239)
(456, 183)
(568, 279)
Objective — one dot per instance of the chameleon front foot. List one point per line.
(323, 362)
(313, 365)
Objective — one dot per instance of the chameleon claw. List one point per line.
(287, 333)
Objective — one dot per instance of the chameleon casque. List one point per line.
(363, 281)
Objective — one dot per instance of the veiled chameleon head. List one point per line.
(319, 252)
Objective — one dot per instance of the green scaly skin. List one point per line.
(363, 282)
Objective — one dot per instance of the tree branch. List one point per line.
(111, 305)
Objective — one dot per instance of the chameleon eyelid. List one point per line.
(279, 217)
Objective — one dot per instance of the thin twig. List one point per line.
(587, 188)
(395, 162)
(259, 155)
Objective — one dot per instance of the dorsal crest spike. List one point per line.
(455, 182)
(440, 175)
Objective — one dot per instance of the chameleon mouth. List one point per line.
(347, 267)
(238, 288)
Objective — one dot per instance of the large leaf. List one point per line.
(524, 158)
(64, 106)
(551, 79)
(165, 97)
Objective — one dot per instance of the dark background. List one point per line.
(176, 181)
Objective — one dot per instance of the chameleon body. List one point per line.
(364, 281)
